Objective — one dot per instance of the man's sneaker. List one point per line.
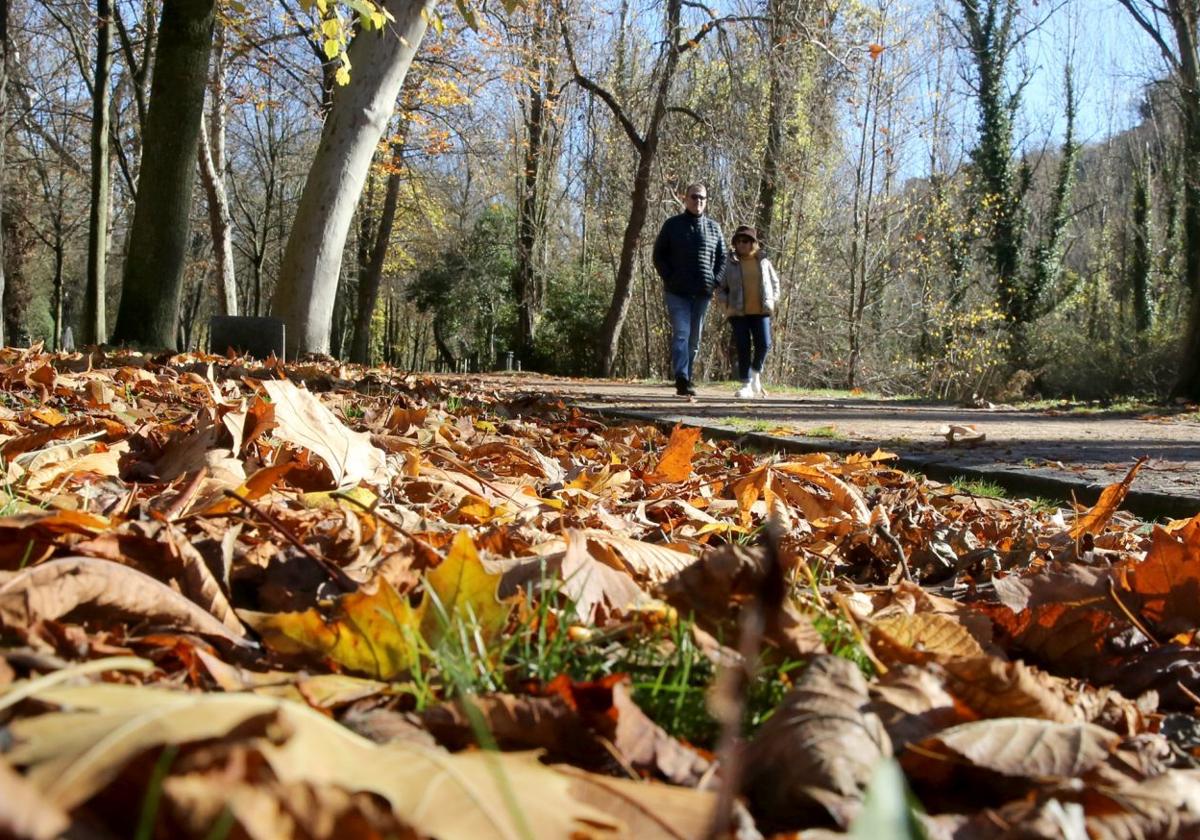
(757, 386)
(683, 388)
(746, 392)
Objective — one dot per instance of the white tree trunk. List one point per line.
(312, 260)
(212, 174)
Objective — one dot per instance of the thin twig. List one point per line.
(186, 495)
(891, 538)
(1112, 591)
(335, 572)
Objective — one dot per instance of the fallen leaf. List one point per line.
(374, 631)
(1097, 517)
(676, 461)
(305, 422)
(1017, 747)
(71, 755)
(104, 591)
(461, 589)
(24, 812)
(816, 753)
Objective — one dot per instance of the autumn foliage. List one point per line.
(242, 599)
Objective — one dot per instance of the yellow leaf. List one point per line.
(462, 588)
(331, 499)
(331, 28)
(371, 632)
(342, 76)
(331, 49)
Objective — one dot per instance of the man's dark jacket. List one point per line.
(689, 255)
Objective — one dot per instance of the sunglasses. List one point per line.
(698, 197)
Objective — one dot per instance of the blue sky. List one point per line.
(1113, 58)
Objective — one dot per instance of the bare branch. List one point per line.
(587, 84)
(1153, 31)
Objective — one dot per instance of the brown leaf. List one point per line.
(816, 754)
(647, 810)
(594, 586)
(25, 813)
(713, 588)
(1020, 748)
(1094, 520)
(1166, 585)
(676, 461)
(1165, 806)
(646, 746)
(913, 704)
(927, 636)
(993, 688)
(100, 589)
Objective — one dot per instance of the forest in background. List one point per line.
(165, 163)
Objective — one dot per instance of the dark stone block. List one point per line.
(257, 337)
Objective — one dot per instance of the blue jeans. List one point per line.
(687, 322)
(747, 330)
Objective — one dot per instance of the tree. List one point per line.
(212, 174)
(645, 143)
(539, 92)
(95, 327)
(3, 141)
(312, 260)
(1023, 287)
(158, 237)
(1172, 24)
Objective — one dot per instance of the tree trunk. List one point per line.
(369, 282)
(95, 327)
(3, 143)
(312, 261)
(529, 282)
(614, 318)
(212, 175)
(158, 237)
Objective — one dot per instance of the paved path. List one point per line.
(1032, 453)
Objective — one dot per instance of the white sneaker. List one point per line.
(746, 392)
(757, 386)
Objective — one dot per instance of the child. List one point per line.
(748, 291)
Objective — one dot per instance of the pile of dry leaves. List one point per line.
(316, 601)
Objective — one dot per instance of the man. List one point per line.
(689, 256)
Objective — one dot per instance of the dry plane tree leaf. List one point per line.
(24, 812)
(1166, 585)
(1020, 748)
(913, 704)
(104, 591)
(373, 631)
(593, 586)
(676, 461)
(264, 809)
(1097, 517)
(304, 421)
(713, 589)
(1165, 806)
(647, 810)
(71, 755)
(817, 752)
(927, 636)
(993, 688)
(462, 587)
(578, 722)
